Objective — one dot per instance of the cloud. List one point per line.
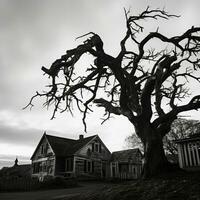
(26, 128)
(18, 136)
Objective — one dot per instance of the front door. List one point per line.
(103, 173)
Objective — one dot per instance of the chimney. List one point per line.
(81, 137)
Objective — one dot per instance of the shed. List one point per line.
(189, 152)
(126, 164)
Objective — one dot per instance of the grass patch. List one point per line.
(174, 186)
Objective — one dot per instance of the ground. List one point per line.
(175, 186)
(86, 188)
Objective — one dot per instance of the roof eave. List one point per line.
(186, 140)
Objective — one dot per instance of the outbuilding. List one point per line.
(189, 152)
(126, 164)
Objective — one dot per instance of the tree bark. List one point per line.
(155, 161)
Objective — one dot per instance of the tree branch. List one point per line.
(108, 106)
(146, 98)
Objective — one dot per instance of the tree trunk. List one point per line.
(155, 161)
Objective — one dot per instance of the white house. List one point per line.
(189, 152)
(83, 158)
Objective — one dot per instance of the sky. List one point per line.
(34, 33)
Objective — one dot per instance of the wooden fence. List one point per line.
(18, 184)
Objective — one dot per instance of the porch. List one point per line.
(189, 154)
(81, 167)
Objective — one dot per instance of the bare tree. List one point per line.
(138, 83)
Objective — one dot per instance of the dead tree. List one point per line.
(144, 84)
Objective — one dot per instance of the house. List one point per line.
(16, 171)
(189, 152)
(126, 164)
(57, 156)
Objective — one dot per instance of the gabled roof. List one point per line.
(63, 147)
(66, 147)
(125, 155)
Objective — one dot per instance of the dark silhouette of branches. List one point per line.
(144, 84)
(128, 83)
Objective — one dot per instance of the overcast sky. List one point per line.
(34, 33)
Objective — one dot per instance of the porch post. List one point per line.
(180, 155)
(136, 171)
(111, 172)
(193, 154)
(189, 153)
(117, 169)
(197, 153)
(74, 165)
(185, 155)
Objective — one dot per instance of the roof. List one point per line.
(66, 147)
(63, 147)
(193, 137)
(126, 155)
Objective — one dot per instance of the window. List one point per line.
(134, 171)
(35, 168)
(85, 165)
(44, 166)
(50, 164)
(96, 147)
(39, 167)
(88, 166)
(92, 147)
(69, 164)
(89, 152)
(46, 147)
(42, 149)
(99, 148)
